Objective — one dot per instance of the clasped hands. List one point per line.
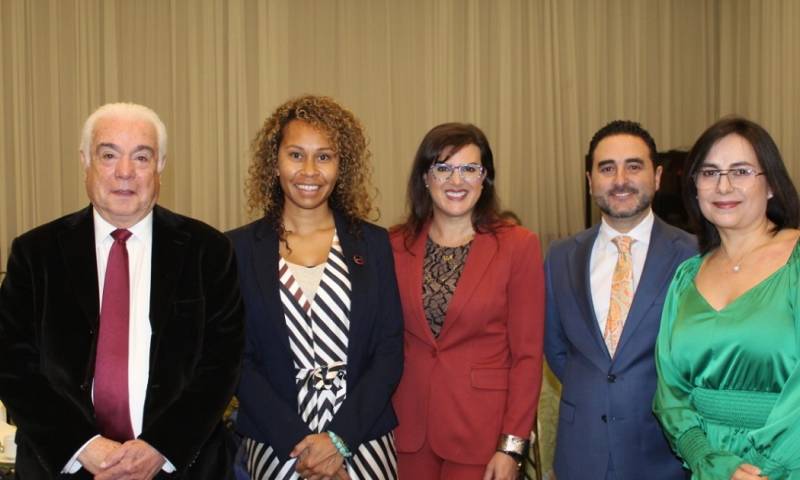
(318, 459)
(110, 460)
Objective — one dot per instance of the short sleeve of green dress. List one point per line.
(729, 380)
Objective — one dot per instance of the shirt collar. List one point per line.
(102, 229)
(640, 233)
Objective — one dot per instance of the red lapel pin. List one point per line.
(358, 259)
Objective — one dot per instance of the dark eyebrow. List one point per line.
(732, 165)
(603, 163)
(323, 149)
(634, 160)
(742, 164)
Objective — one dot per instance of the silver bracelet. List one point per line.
(511, 444)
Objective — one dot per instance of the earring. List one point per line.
(769, 196)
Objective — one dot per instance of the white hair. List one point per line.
(124, 110)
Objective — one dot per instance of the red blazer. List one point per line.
(482, 376)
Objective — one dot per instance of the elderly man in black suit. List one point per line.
(121, 325)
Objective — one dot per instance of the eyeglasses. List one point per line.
(470, 172)
(709, 178)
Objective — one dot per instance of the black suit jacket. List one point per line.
(49, 312)
(606, 404)
(267, 392)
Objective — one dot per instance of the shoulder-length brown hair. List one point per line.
(439, 144)
(782, 208)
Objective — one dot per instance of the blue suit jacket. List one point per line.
(606, 404)
(267, 391)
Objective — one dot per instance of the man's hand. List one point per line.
(318, 457)
(95, 453)
(133, 460)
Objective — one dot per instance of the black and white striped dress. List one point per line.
(318, 340)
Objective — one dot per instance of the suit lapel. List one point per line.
(358, 263)
(579, 271)
(265, 262)
(414, 259)
(166, 265)
(656, 274)
(483, 249)
(78, 250)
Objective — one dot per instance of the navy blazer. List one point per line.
(267, 390)
(606, 404)
(49, 314)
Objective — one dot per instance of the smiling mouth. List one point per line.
(455, 194)
(306, 187)
(726, 205)
(124, 192)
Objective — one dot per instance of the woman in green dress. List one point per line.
(728, 353)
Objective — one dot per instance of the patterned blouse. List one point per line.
(440, 273)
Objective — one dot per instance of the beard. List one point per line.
(643, 203)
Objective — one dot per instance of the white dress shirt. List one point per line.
(604, 260)
(140, 253)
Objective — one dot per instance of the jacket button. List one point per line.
(604, 419)
(611, 378)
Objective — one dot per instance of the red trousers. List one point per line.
(425, 464)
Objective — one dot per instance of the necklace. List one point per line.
(737, 266)
(442, 263)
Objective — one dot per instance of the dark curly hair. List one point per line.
(353, 194)
(621, 127)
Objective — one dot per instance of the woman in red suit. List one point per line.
(472, 291)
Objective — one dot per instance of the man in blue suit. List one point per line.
(605, 291)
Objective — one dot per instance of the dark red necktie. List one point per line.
(111, 364)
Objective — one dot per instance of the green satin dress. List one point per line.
(729, 381)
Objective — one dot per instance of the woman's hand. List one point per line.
(501, 467)
(342, 474)
(747, 472)
(318, 458)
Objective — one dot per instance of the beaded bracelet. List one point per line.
(340, 445)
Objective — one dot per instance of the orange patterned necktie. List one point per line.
(621, 293)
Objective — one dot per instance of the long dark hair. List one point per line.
(439, 144)
(782, 208)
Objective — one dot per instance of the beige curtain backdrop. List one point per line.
(539, 76)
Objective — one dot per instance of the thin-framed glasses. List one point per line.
(469, 172)
(741, 177)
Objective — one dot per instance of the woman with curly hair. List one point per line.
(324, 347)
